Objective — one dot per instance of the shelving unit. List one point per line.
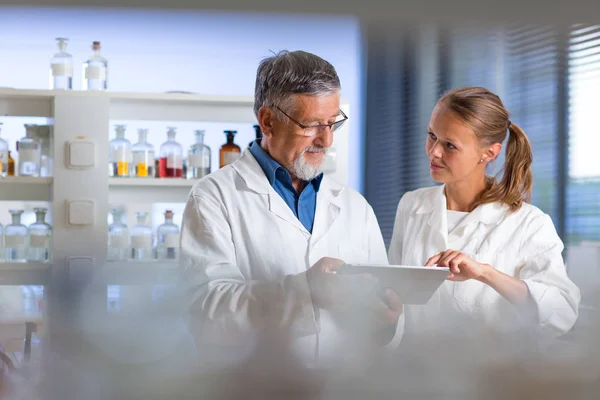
(165, 190)
(77, 250)
(24, 273)
(22, 188)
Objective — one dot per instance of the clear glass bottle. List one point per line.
(119, 161)
(46, 160)
(167, 239)
(3, 156)
(229, 152)
(30, 152)
(143, 156)
(171, 157)
(141, 239)
(199, 157)
(118, 237)
(40, 237)
(258, 134)
(61, 67)
(15, 238)
(95, 70)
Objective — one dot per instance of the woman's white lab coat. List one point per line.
(244, 254)
(523, 244)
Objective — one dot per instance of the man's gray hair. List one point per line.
(287, 73)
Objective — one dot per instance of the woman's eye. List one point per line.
(431, 136)
(451, 146)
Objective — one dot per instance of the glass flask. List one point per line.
(95, 70)
(15, 238)
(118, 237)
(229, 152)
(119, 161)
(3, 156)
(29, 150)
(40, 237)
(141, 239)
(198, 158)
(143, 156)
(171, 157)
(167, 239)
(61, 67)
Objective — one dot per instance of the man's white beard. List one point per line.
(305, 170)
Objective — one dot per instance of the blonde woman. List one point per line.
(504, 254)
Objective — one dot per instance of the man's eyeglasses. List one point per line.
(314, 130)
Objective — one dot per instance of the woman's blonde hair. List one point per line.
(484, 112)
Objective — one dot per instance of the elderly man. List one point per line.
(262, 238)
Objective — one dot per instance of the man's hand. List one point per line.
(331, 291)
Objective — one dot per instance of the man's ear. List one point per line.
(265, 120)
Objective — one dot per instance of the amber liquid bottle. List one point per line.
(230, 151)
(11, 165)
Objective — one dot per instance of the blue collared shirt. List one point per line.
(303, 205)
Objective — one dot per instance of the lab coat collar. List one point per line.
(251, 173)
(434, 202)
(328, 199)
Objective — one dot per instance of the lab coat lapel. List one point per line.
(254, 177)
(280, 208)
(328, 209)
(435, 205)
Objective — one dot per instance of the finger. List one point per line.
(331, 264)
(433, 260)
(456, 263)
(392, 300)
(451, 277)
(448, 257)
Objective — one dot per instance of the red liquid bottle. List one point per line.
(170, 163)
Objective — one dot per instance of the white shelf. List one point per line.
(26, 103)
(140, 273)
(24, 188)
(30, 273)
(152, 182)
(136, 106)
(142, 191)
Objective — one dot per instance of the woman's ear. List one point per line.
(491, 153)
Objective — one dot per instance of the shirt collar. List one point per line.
(271, 168)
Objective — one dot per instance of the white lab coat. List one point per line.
(244, 255)
(523, 244)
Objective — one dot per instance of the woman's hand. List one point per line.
(462, 267)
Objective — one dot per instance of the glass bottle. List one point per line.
(119, 162)
(141, 239)
(3, 156)
(229, 152)
(15, 238)
(258, 134)
(29, 149)
(1, 243)
(95, 70)
(46, 160)
(11, 165)
(167, 239)
(198, 158)
(143, 156)
(171, 157)
(118, 237)
(40, 237)
(61, 67)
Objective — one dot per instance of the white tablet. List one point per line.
(414, 284)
